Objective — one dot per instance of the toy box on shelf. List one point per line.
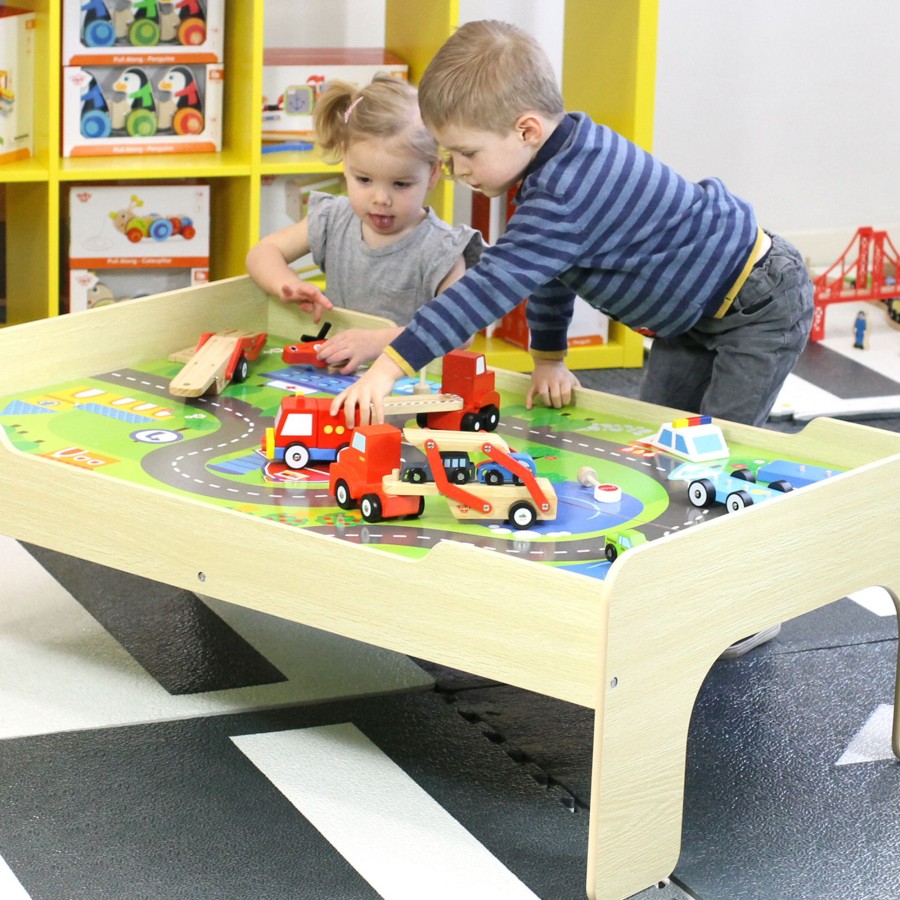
(110, 32)
(293, 79)
(135, 109)
(133, 240)
(589, 327)
(16, 83)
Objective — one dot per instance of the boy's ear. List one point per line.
(530, 126)
(435, 175)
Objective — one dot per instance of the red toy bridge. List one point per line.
(867, 270)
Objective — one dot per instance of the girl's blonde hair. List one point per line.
(386, 108)
(485, 76)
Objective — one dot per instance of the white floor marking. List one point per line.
(390, 830)
(62, 671)
(875, 599)
(806, 401)
(10, 886)
(873, 740)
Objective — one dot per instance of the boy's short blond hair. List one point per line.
(485, 76)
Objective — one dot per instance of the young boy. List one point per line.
(730, 305)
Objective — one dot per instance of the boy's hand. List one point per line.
(552, 382)
(367, 394)
(307, 296)
(354, 347)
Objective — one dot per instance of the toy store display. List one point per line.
(16, 83)
(140, 108)
(108, 31)
(128, 241)
(294, 77)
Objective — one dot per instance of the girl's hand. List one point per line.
(307, 296)
(355, 347)
(367, 394)
(552, 382)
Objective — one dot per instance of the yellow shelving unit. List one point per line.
(608, 70)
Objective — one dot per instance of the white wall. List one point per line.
(795, 105)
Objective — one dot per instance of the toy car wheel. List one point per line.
(422, 420)
(458, 476)
(296, 456)
(192, 32)
(781, 485)
(161, 229)
(470, 422)
(415, 475)
(188, 121)
(490, 417)
(492, 476)
(99, 33)
(143, 33)
(744, 475)
(370, 507)
(241, 371)
(702, 492)
(342, 495)
(141, 123)
(738, 500)
(522, 514)
(95, 124)
(611, 553)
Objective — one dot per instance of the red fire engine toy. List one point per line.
(305, 431)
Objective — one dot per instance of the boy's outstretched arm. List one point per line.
(552, 381)
(367, 394)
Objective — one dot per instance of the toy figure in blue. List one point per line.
(860, 324)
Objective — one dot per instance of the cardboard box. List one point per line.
(92, 288)
(139, 109)
(294, 78)
(16, 84)
(133, 240)
(130, 32)
(589, 327)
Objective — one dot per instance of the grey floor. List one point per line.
(789, 794)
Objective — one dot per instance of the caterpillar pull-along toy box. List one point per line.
(16, 83)
(130, 241)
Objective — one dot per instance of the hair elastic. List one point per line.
(350, 109)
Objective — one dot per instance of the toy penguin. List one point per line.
(140, 120)
(96, 121)
(183, 110)
(182, 22)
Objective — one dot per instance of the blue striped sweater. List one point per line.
(598, 217)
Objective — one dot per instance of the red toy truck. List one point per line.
(357, 475)
(305, 432)
(466, 374)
